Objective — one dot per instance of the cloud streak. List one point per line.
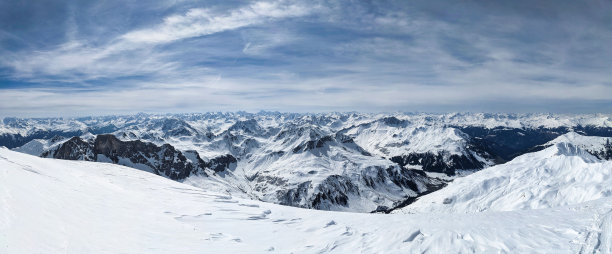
(135, 53)
(313, 95)
(315, 56)
(199, 22)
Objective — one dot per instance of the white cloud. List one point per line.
(200, 22)
(134, 53)
(343, 58)
(213, 94)
(77, 61)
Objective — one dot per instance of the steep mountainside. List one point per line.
(163, 160)
(430, 148)
(600, 147)
(562, 174)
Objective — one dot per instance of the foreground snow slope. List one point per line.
(562, 174)
(57, 206)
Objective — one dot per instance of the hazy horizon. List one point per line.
(302, 113)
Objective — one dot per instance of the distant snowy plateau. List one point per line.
(225, 183)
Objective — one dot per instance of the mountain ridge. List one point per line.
(336, 161)
(560, 175)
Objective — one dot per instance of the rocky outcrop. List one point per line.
(74, 149)
(442, 162)
(606, 153)
(221, 163)
(312, 144)
(163, 160)
(334, 191)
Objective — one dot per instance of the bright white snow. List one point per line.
(589, 143)
(56, 206)
(562, 174)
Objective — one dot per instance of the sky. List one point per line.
(77, 58)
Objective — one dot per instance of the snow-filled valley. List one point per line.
(59, 206)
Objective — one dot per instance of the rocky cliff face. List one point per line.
(163, 160)
(606, 153)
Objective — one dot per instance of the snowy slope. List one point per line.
(600, 147)
(392, 137)
(428, 147)
(37, 146)
(584, 142)
(57, 206)
(560, 175)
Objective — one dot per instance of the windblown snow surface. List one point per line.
(562, 174)
(58, 206)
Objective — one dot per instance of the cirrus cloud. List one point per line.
(295, 55)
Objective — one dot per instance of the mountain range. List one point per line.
(333, 161)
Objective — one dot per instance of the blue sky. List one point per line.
(73, 58)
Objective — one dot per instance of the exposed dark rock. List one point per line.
(507, 143)
(164, 160)
(393, 121)
(440, 162)
(74, 149)
(221, 163)
(312, 144)
(605, 154)
(295, 197)
(334, 191)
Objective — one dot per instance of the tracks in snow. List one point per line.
(599, 240)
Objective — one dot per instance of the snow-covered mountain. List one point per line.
(60, 206)
(431, 148)
(333, 161)
(560, 175)
(163, 160)
(600, 147)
